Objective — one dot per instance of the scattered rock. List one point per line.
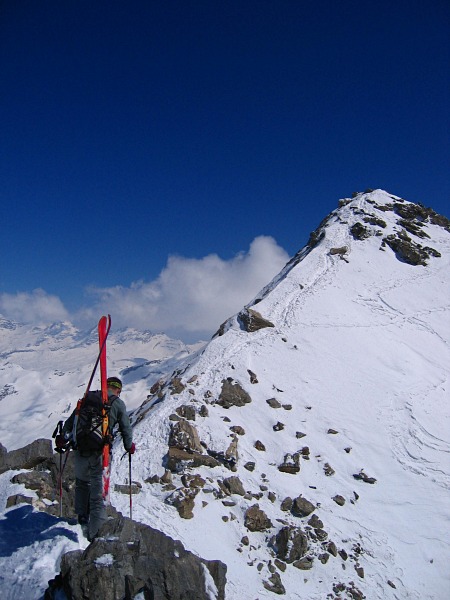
(332, 431)
(291, 464)
(278, 426)
(328, 470)
(203, 412)
(339, 500)
(253, 378)
(256, 519)
(184, 436)
(233, 485)
(251, 320)
(348, 449)
(134, 488)
(176, 386)
(302, 507)
(273, 402)
(286, 505)
(186, 411)
(238, 429)
(359, 231)
(259, 446)
(250, 466)
(287, 406)
(232, 394)
(304, 563)
(363, 477)
(299, 434)
(178, 459)
(315, 522)
(183, 499)
(360, 571)
(289, 544)
(274, 584)
(245, 541)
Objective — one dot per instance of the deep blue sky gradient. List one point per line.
(135, 130)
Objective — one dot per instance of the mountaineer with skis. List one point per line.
(84, 431)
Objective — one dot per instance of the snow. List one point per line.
(361, 347)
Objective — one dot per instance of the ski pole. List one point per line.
(129, 478)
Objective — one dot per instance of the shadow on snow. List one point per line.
(24, 526)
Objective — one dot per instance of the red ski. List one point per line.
(104, 325)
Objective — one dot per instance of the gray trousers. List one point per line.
(89, 490)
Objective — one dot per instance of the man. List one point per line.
(89, 504)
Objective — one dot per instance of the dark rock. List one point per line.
(302, 507)
(361, 476)
(184, 436)
(278, 426)
(250, 466)
(245, 541)
(360, 571)
(186, 411)
(339, 500)
(238, 429)
(280, 565)
(331, 547)
(287, 406)
(192, 481)
(253, 378)
(328, 470)
(203, 412)
(135, 488)
(304, 564)
(234, 486)
(291, 464)
(340, 251)
(183, 499)
(18, 499)
(260, 446)
(28, 457)
(286, 505)
(300, 434)
(251, 320)
(232, 394)
(273, 402)
(315, 522)
(130, 558)
(178, 459)
(274, 584)
(332, 431)
(256, 519)
(359, 231)
(176, 386)
(290, 544)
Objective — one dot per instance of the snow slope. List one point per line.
(359, 347)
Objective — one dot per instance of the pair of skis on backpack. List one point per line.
(102, 428)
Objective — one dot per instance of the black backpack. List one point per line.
(89, 436)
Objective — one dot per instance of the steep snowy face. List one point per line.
(313, 430)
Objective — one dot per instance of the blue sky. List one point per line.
(136, 131)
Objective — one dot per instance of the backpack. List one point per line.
(89, 435)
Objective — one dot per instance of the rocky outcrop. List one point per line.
(129, 558)
(27, 457)
(251, 320)
(233, 394)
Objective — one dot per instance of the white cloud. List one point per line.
(192, 297)
(32, 307)
(189, 299)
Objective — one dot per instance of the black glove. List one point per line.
(60, 441)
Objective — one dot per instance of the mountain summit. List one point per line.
(306, 445)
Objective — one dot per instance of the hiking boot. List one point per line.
(83, 519)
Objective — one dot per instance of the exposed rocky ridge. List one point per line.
(129, 558)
